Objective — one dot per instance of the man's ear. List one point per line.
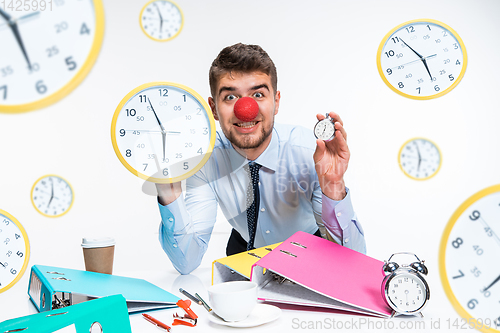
(211, 102)
(277, 98)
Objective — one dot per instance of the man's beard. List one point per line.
(249, 141)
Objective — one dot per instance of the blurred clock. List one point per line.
(419, 158)
(47, 51)
(161, 20)
(52, 196)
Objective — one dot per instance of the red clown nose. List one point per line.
(246, 109)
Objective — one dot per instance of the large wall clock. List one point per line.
(422, 59)
(161, 20)
(15, 250)
(419, 158)
(47, 53)
(468, 260)
(163, 132)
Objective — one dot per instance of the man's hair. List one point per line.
(241, 58)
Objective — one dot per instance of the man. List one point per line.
(294, 182)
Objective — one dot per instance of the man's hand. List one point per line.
(168, 193)
(331, 160)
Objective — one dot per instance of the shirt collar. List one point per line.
(267, 159)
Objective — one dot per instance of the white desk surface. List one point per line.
(15, 303)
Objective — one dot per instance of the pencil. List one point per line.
(191, 297)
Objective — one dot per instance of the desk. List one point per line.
(438, 314)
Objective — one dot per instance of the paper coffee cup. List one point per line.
(98, 254)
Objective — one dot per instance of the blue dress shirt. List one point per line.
(290, 200)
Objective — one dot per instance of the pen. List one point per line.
(188, 295)
(204, 303)
(156, 322)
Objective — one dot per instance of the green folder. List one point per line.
(107, 314)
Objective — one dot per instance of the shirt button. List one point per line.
(268, 231)
(262, 209)
(171, 219)
(175, 245)
(346, 240)
(259, 183)
(339, 214)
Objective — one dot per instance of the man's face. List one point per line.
(256, 134)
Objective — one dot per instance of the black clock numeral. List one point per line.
(186, 166)
(41, 87)
(165, 172)
(475, 215)
(459, 276)
(131, 112)
(472, 303)
(389, 71)
(143, 98)
(163, 92)
(418, 88)
(128, 153)
(4, 88)
(401, 85)
(395, 40)
(390, 53)
(84, 29)
(410, 29)
(70, 63)
(457, 242)
(122, 132)
(13, 271)
(451, 77)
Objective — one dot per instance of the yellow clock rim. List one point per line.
(442, 254)
(441, 93)
(72, 196)
(163, 180)
(157, 39)
(79, 76)
(27, 250)
(435, 145)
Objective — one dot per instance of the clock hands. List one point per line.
(414, 61)
(163, 131)
(15, 30)
(161, 18)
(491, 284)
(419, 157)
(423, 59)
(51, 193)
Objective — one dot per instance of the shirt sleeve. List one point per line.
(340, 222)
(187, 224)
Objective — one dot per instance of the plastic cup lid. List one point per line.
(97, 242)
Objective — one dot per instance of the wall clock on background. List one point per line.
(52, 196)
(422, 59)
(161, 20)
(46, 52)
(163, 132)
(468, 260)
(419, 158)
(15, 250)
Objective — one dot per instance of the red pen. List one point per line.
(156, 322)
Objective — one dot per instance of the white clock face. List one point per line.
(324, 130)
(406, 292)
(419, 159)
(46, 52)
(161, 20)
(422, 59)
(15, 251)
(52, 196)
(163, 132)
(469, 255)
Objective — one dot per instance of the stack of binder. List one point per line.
(54, 287)
(107, 314)
(311, 271)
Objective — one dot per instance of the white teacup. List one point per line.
(233, 301)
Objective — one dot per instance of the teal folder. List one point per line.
(107, 314)
(53, 287)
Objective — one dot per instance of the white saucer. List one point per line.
(261, 314)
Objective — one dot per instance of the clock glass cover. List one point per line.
(419, 159)
(161, 20)
(46, 51)
(468, 260)
(52, 196)
(422, 59)
(163, 132)
(15, 252)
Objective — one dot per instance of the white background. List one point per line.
(325, 53)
